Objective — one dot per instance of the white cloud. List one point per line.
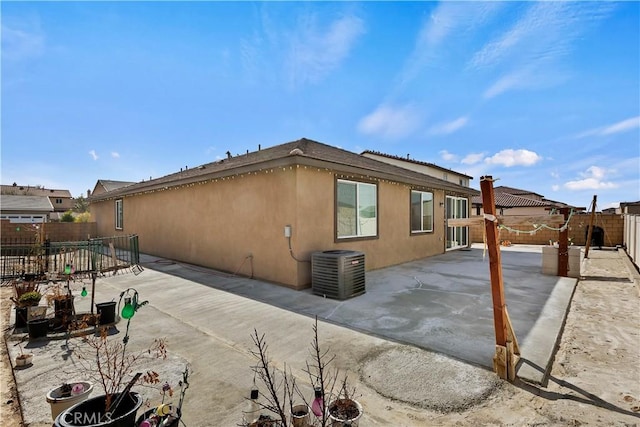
(390, 122)
(449, 127)
(115, 154)
(622, 126)
(555, 187)
(512, 157)
(449, 19)
(315, 53)
(93, 154)
(473, 158)
(619, 127)
(21, 44)
(532, 47)
(447, 156)
(514, 80)
(592, 179)
(546, 31)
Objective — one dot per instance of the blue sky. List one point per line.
(543, 96)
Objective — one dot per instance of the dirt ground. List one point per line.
(595, 380)
(9, 405)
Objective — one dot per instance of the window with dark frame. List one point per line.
(421, 211)
(356, 209)
(119, 214)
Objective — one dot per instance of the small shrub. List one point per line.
(67, 217)
(83, 217)
(29, 299)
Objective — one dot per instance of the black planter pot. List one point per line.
(38, 328)
(63, 308)
(106, 312)
(89, 413)
(21, 317)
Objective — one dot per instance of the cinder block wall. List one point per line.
(55, 231)
(613, 225)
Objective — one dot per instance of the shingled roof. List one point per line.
(13, 203)
(27, 190)
(303, 151)
(110, 185)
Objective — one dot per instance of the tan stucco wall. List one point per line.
(219, 224)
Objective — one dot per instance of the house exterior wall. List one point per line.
(61, 204)
(221, 223)
(612, 224)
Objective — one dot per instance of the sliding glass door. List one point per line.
(457, 207)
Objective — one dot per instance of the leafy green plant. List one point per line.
(30, 299)
(67, 217)
(83, 217)
(22, 287)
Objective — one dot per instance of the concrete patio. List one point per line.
(441, 304)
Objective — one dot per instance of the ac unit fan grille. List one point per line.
(338, 274)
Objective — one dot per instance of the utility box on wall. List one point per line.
(338, 274)
(550, 261)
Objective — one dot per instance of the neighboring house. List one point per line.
(422, 167)
(105, 185)
(624, 208)
(61, 200)
(514, 201)
(264, 213)
(25, 209)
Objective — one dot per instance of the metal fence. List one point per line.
(56, 260)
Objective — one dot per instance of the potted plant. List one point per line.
(27, 294)
(282, 387)
(113, 368)
(61, 299)
(300, 415)
(67, 395)
(23, 359)
(344, 410)
(166, 414)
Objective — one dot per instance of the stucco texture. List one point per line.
(236, 224)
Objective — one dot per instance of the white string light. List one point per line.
(537, 227)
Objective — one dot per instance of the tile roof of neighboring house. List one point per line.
(417, 162)
(110, 185)
(26, 190)
(514, 191)
(303, 151)
(13, 203)
(506, 200)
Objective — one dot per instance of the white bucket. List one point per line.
(59, 403)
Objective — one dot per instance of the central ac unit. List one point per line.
(338, 274)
